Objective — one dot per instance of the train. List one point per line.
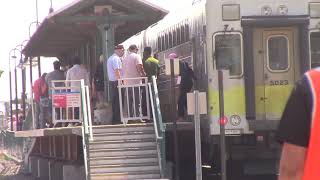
(263, 46)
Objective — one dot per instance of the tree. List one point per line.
(1, 72)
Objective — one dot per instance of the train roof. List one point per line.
(75, 23)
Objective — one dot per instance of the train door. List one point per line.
(275, 57)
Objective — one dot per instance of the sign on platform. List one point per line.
(202, 103)
(176, 66)
(65, 100)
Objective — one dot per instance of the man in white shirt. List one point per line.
(74, 74)
(133, 68)
(77, 72)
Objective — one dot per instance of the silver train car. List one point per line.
(265, 46)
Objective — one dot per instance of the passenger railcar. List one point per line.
(264, 45)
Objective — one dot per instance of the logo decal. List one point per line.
(235, 120)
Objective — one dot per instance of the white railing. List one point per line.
(86, 125)
(134, 99)
(158, 124)
(66, 101)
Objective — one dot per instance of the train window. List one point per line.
(187, 32)
(159, 43)
(183, 35)
(174, 38)
(278, 53)
(228, 53)
(167, 41)
(178, 36)
(315, 49)
(170, 40)
(162, 43)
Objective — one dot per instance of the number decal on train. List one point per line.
(279, 82)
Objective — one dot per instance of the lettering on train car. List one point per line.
(278, 82)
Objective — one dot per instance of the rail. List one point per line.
(158, 124)
(65, 96)
(86, 125)
(136, 95)
(134, 99)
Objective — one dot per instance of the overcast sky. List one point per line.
(16, 16)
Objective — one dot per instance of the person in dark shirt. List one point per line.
(294, 131)
(98, 81)
(186, 84)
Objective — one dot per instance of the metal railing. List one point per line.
(86, 125)
(134, 99)
(158, 124)
(66, 101)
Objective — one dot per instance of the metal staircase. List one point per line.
(124, 152)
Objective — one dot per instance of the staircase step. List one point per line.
(118, 136)
(124, 168)
(127, 176)
(111, 152)
(128, 143)
(123, 160)
(122, 128)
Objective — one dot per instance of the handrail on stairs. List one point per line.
(86, 125)
(158, 124)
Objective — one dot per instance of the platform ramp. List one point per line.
(124, 152)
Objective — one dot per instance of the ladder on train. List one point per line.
(126, 151)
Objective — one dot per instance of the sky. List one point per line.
(16, 16)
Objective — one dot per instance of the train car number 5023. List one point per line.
(278, 82)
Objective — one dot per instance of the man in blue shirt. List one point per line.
(114, 66)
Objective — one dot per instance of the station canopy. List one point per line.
(78, 22)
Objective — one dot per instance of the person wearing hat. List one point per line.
(114, 66)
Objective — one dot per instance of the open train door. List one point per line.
(275, 60)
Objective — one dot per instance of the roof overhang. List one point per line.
(78, 22)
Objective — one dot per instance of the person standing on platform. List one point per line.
(151, 64)
(114, 66)
(98, 82)
(186, 83)
(133, 68)
(75, 74)
(56, 74)
(152, 68)
(40, 90)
